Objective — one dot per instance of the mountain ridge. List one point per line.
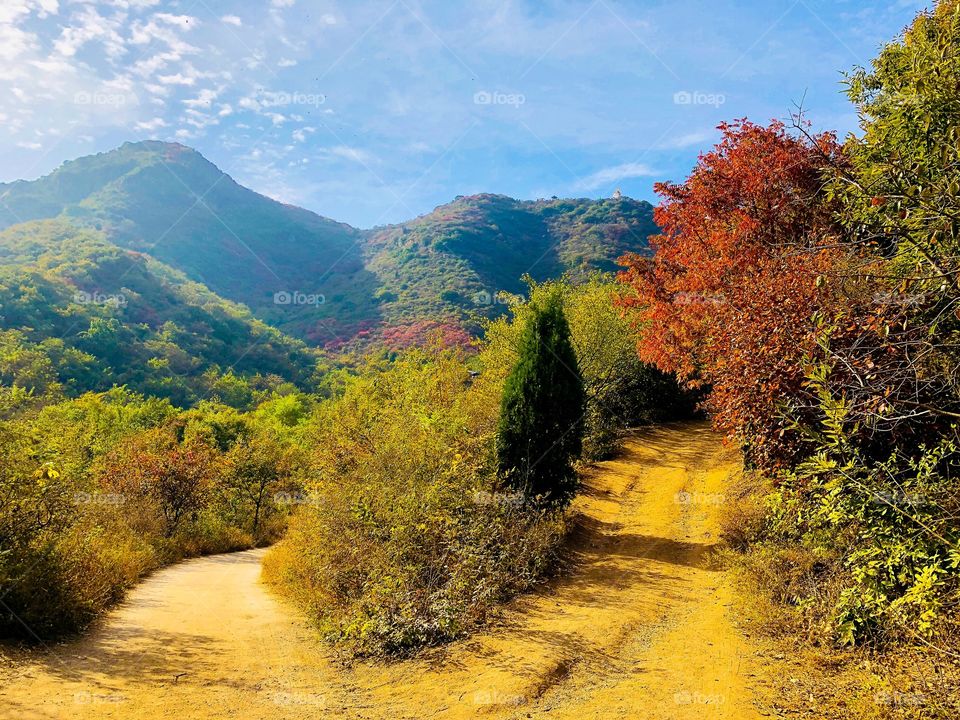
(318, 279)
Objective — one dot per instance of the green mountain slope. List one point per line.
(452, 263)
(168, 201)
(319, 280)
(80, 314)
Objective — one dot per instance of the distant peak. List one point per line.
(155, 145)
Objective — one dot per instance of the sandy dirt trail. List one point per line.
(640, 628)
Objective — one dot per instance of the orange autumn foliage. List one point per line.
(726, 301)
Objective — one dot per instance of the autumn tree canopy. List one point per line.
(740, 267)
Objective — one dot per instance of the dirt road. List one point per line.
(639, 629)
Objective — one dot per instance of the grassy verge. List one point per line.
(789, 594)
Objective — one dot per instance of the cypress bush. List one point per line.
(540, 433)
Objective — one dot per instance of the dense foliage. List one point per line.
(621, 390)
(97, 491)
(401, 538)
(78, 314)
(405, 534)
(812, 287)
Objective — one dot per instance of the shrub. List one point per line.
(540, 434)
(399, 540)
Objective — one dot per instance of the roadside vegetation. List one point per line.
(439, 482)
(813, 286)
(405, 523)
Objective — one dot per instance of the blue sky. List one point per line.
(376, 111)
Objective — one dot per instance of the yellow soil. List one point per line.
(640, 628)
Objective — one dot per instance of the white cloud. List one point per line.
(184, 21)
(14, 43)
(204, 99)
(155, 89)
(47, 7)
(609, 175)
(177, 79)
(200, 120)
(300, 135)
(29, 145)
(352, 153)
(87, 25)
(148, 66)
(163, 28)
(282, 3)
(151, 125)
(13, 11)
(232, 20)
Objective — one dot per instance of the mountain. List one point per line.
(452, 263)
(169, 202)
(323, 281)
(79, 314)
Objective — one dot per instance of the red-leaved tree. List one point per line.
(748, 253)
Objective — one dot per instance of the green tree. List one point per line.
(542, 409)
(255, 469)
(903, 181)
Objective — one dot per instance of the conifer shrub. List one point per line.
(540, 433)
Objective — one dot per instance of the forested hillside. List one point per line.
(323, 281)
(454, 264)
(79, 314)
